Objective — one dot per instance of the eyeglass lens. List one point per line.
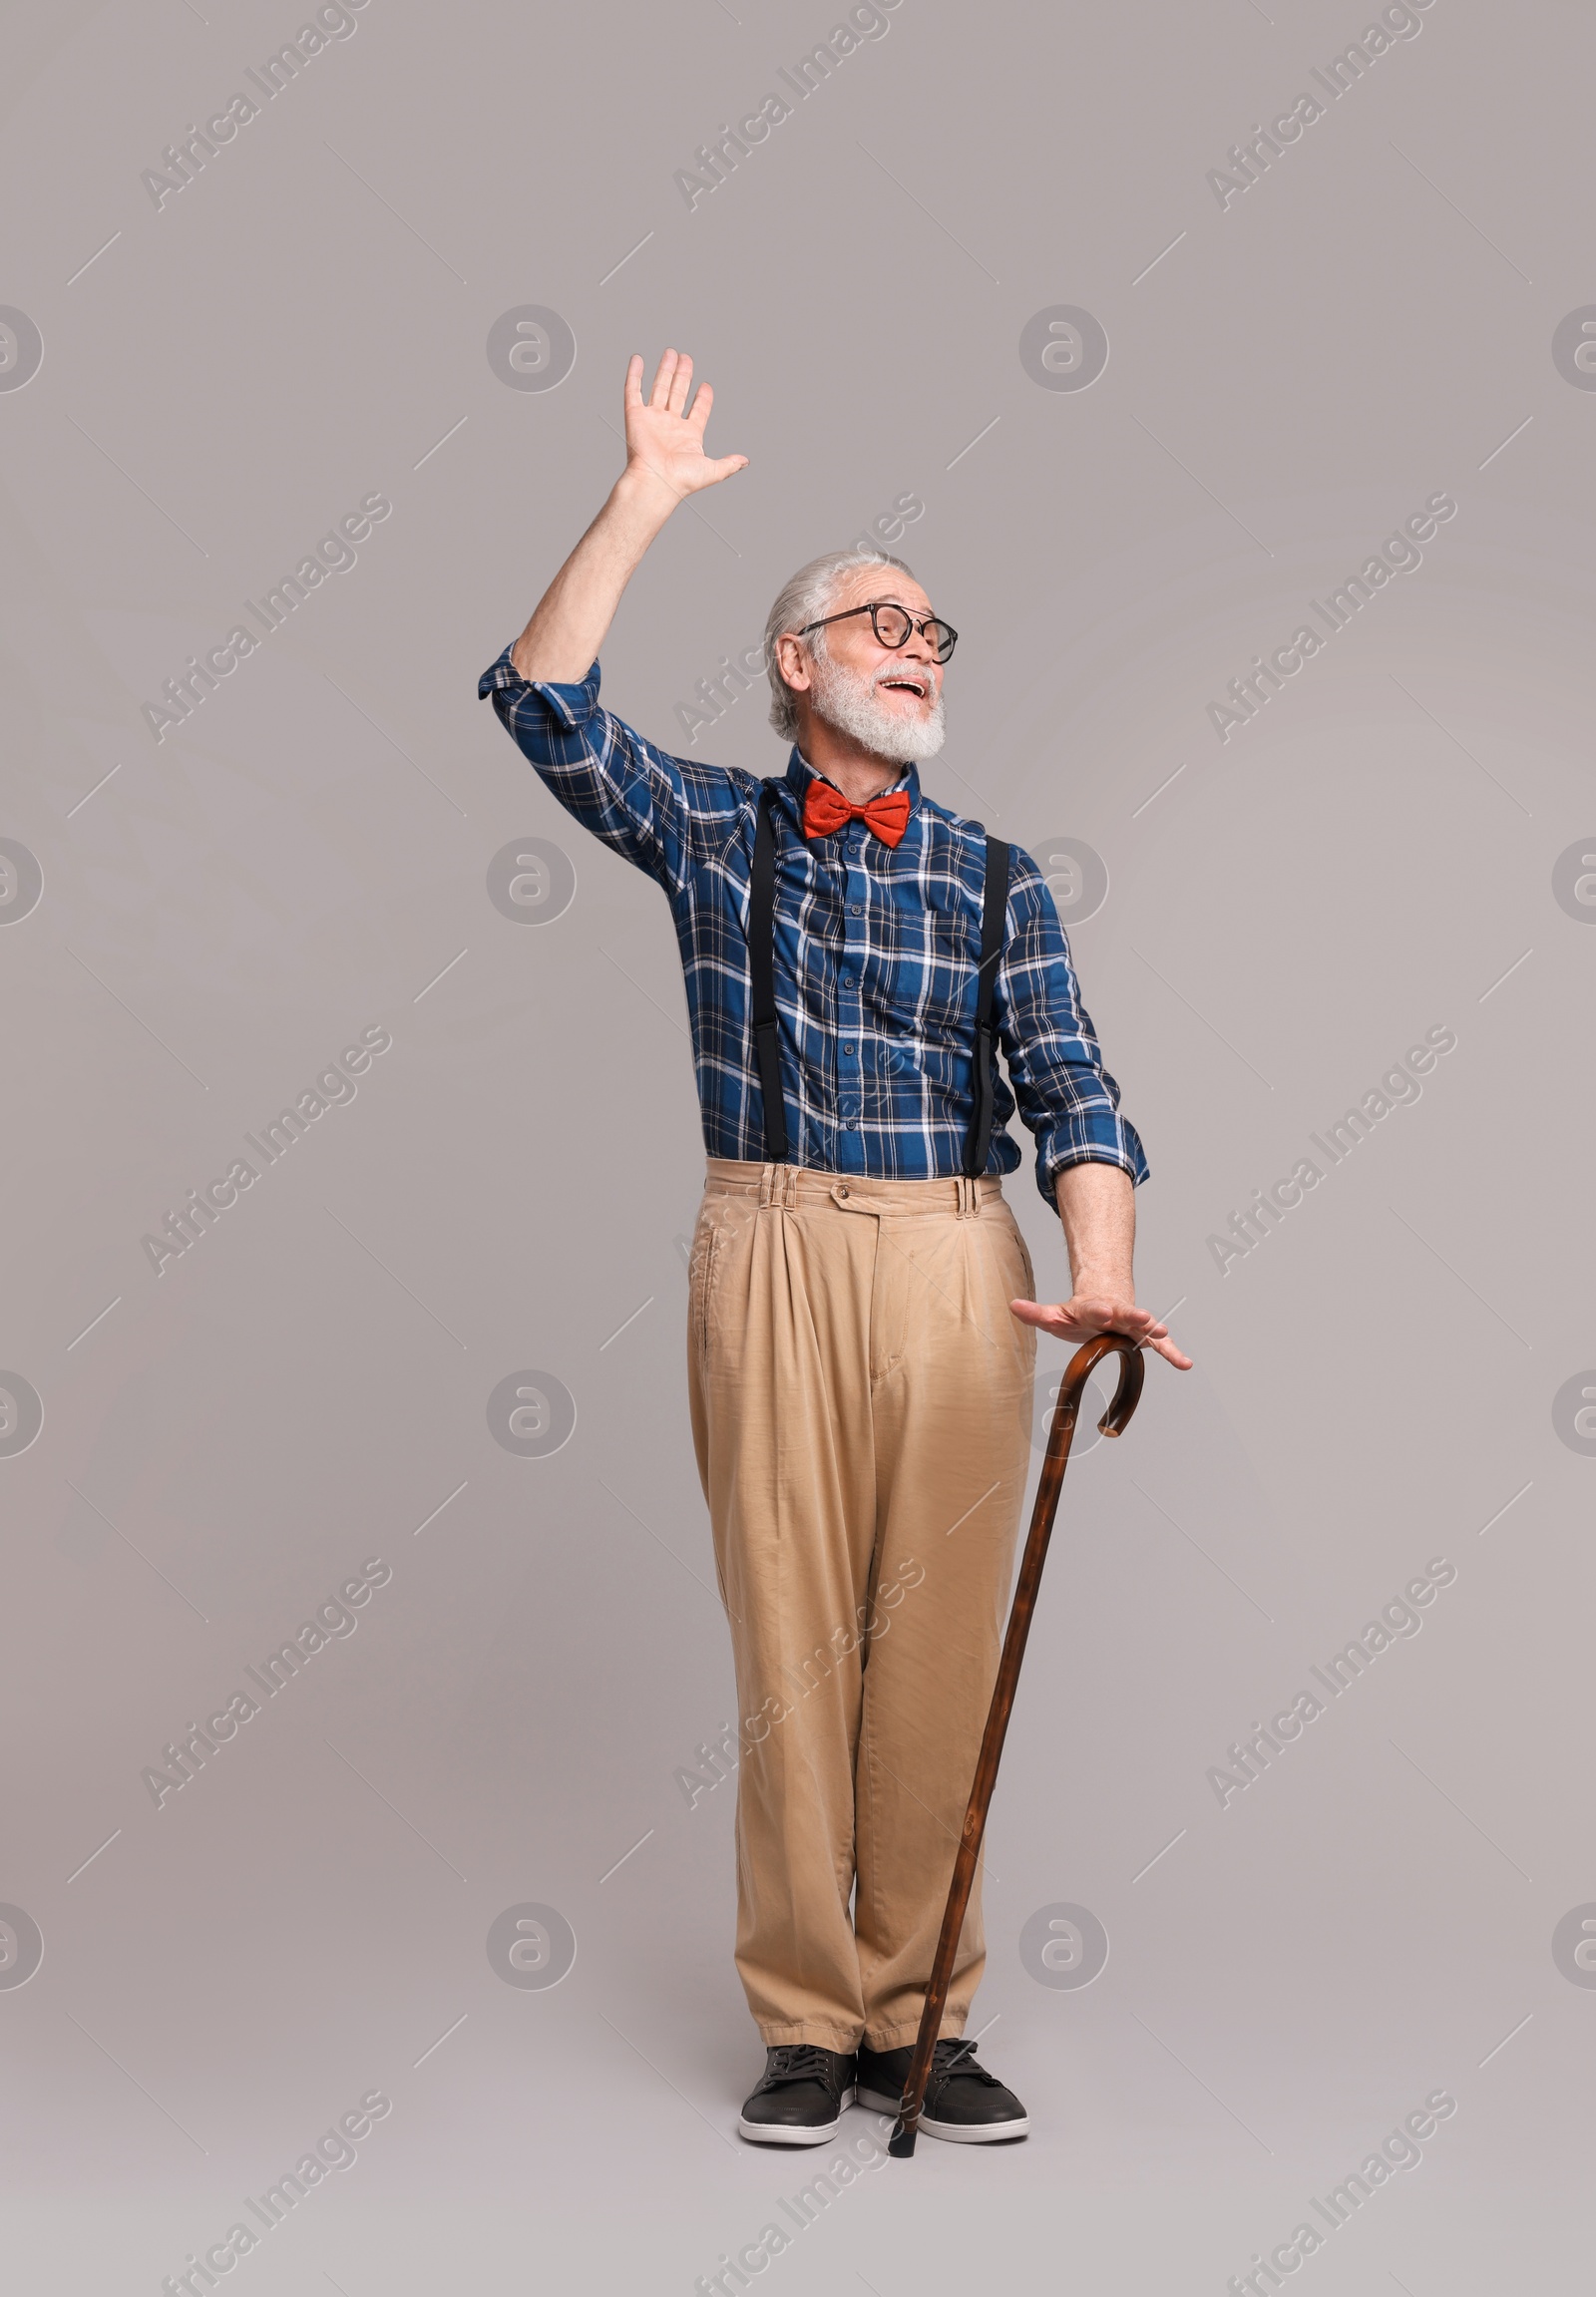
(893, 624)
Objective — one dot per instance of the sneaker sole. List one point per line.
(956, 2133)
(794, 2133)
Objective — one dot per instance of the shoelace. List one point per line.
(799, 2062)
(951, 2056)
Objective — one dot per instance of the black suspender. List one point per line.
(994, 909)
(762, 975)
(762, 979)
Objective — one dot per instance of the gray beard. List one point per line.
(848, 705)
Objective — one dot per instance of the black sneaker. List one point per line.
(801, 2099)
(962, 2101)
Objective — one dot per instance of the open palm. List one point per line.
(665, 437)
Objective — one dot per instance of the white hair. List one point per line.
(805, 597)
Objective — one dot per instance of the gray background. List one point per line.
(222, 1444)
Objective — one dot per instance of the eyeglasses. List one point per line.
(892, 625)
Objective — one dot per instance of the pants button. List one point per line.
(842, 1189)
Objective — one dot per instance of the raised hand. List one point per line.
(665, 437)
(666, 462)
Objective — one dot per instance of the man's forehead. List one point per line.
(880, 586)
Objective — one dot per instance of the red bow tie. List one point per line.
(826, 809)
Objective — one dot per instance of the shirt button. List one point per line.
(857, 908)
(847, 1048)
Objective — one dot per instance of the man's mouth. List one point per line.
(907, 683)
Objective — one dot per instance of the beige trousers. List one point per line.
(861, 1403)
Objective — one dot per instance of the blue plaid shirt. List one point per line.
(877, 949)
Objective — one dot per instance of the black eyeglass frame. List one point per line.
(879, 607)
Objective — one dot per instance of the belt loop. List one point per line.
(967, 1197)
(767, 1174)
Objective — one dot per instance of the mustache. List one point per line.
(890, 671)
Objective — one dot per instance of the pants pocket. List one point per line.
(1023, 1252)
(700, 1278)
(1025, 1257)
(1023, 1335)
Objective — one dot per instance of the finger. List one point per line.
(632, 394)
(702, 400)
(727, 467)
(660, 393)
(678, 384)
(1063, 1328)
(1031, 1312)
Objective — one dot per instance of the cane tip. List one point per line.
(901, 2144)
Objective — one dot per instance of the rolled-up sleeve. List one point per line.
(1064, 1095)
(606, 776)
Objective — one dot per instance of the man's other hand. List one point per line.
(1087, 1314)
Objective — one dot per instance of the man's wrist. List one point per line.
(1104, 1281)
(643, 500)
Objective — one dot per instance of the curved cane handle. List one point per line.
(1133, 1372)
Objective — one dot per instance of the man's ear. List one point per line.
(793, 661)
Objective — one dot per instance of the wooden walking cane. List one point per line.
(1059, 1437)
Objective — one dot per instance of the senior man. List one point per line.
(861, 1333)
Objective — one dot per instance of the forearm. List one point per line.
(1097, 1204)
(567, 629)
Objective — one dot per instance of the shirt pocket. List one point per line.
(951, 950)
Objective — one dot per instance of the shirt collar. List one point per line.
(800, 773)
